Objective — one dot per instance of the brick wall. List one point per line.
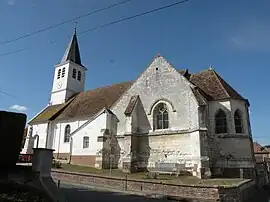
(187, 191)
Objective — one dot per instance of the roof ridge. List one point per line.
(218, 78)
(222, 81)
(106, 86)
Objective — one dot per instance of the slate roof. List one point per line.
(72, 52)
(208, 85)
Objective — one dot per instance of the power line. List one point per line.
(7, 94)
(113, 22)
(11, 52)
(64, 22)
(134, 16)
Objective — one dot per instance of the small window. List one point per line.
(59, 74)
(74, 73)
(79, 76)
(63, 72)
(85, 142)
(238, 122)
(67, 134)
(221, 122)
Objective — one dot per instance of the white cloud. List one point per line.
(238, 40)
(19, 108)
(252, 36)
(11, 2)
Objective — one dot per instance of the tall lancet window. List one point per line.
(238, 121)
(67, 133)
(161, 116)
(221, 122)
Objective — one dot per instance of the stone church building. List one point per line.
(195, 120)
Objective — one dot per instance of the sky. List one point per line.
(231, 36)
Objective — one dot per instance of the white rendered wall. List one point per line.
(91, 130)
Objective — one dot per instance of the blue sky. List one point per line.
(231, 36)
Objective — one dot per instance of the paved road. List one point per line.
(75, 193)
(78, 193)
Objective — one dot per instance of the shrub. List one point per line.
(56, 164)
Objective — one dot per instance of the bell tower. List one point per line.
(69, 75)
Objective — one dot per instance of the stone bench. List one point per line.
(167, 168)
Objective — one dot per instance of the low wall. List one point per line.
(237, 193)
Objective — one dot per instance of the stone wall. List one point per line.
(160, 82)
(230, 151)
(237, 193)
(241, 193)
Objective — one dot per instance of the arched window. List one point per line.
(74, 72)
(221, 122)
(238, 122)
(67, 133)
(63, 72)
(85, 142)
(79, 76)
(161, 116)
(59, 74)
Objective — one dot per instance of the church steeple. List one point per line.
(69, 75)
(72, 52)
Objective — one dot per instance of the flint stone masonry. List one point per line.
(235, 193)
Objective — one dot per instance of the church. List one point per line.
(195, 120)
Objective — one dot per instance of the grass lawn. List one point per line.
(143, 176)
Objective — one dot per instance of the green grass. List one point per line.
(191, 180)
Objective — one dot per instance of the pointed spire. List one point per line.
(72, 52)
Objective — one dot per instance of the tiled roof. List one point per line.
(214, 86)
(49, 113)
(259, 148)
(208, 86)
(88, 103)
